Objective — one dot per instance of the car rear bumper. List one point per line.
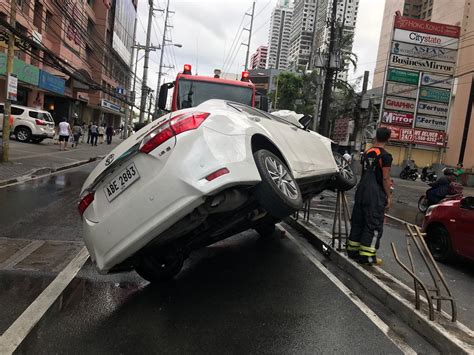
(170, 187)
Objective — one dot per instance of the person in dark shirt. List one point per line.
(373, 197)
(441, 187)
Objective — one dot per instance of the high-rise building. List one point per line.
(279, 36)
(441, 11)
(346, 17)
(301, 36)
(258, 60)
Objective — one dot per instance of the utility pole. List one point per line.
(145, 64)
(250, 36)
(129, 108)
(163, 43)
(9, 71)
(329, 80)
(150, 101)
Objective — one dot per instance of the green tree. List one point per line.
(288, 90)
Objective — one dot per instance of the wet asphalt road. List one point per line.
(240, 295)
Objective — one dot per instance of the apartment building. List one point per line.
(258, 60)
(301, 36)
(279, 35)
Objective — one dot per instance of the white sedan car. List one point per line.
(197, 176)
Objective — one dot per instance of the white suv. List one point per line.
(29, 124)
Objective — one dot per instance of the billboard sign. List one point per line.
(439, 81)
(435, 28)
(122, 39)
(51, 82)
(433, 108)
(403, 76)
(425, 39)
(401, 90)
(416, 136)
(422, 64)
(418, 51)
(398, 118)
(428, 122)
(399, 104)
(435, 94)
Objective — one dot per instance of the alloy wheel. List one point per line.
(344, 167)
(22, 135)
(282, 178)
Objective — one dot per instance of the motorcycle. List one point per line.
(429, 176)
(409, 173)
(455, 193)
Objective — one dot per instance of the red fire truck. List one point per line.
(191, 90)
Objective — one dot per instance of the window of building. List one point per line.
(429, 12)
(90, 27)
(90, 3)
(48, 22)
(38, 16)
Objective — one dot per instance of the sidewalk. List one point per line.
(27, 159)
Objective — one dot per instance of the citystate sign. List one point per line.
(425, 39)
(422, 64)
(398, 118)
(399, 104)
(419, 51)
(435, 28)
(439, 81)
(403, 76)
(436, 123)
(401, 90)
(433, 108)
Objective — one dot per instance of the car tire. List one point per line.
(439, 243)
(346, 178)
(278, 192)
(37, 140)
(159, 269)
(23, 134)
(423, 204)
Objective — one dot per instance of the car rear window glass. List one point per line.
(17, 111)
(45, 116)
(254, 112)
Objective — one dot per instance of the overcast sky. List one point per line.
(207, 29)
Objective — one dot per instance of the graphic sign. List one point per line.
(401, 90)
(399, 104)
(435, 28)
(419, 51)
(403, 76)
(422, 64)
(416, 136)
(433, 108)
(429, 122)
(398, 118)
(435, 94)
(439, 81)
(425, 39)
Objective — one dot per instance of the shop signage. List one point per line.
(82, 96)
(399, 104)
(435, 28)
(24, 72)
(419, 51)
(401, 90)
(433, 108)
(435, 94)
(421, 64)
(403, 76)
(110, 105)
(51, 82)
(417, 136)
(429, 122)
(398, 118)
(439, 81)
(425, 39)
(12, 87)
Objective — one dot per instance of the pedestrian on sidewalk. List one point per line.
(76, 133)
(109, 132)
(64, 133)
(94, 134)
(89, 133)
(373, 197)
(84, 130)
(101, 131)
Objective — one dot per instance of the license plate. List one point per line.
(121, 182)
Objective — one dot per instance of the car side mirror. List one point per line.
(467, 203)
(306, 121)
(264, 103)
(163, 97)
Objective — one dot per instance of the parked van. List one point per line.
(29, 124)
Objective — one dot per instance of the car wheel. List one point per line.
(37, 140)
(345, 179)
(23, 134)
(159, 269)
(423, 204)
(278, 193)
(439, 243)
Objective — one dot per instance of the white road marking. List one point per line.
(404, 347)
(18, 331)
(21, 254)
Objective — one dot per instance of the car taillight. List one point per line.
(217, 173)
(40, 123)
(176, 125)
(85, 202)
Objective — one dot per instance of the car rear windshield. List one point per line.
(192, 93)
(45, 116)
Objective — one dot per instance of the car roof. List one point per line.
(26, 107)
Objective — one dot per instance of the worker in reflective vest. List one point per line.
(372, 199)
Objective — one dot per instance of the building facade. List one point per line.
(301, 36)
(279, 35)
(258, 60)
(92, 40)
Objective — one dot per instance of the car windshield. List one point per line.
(192, 93)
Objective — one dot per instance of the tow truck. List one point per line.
(192, 90)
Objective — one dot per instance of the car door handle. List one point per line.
(256, 119)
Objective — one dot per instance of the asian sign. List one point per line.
(419, 51)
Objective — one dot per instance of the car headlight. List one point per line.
(429, 210)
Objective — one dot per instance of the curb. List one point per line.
(443, 334)
(41, 172)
